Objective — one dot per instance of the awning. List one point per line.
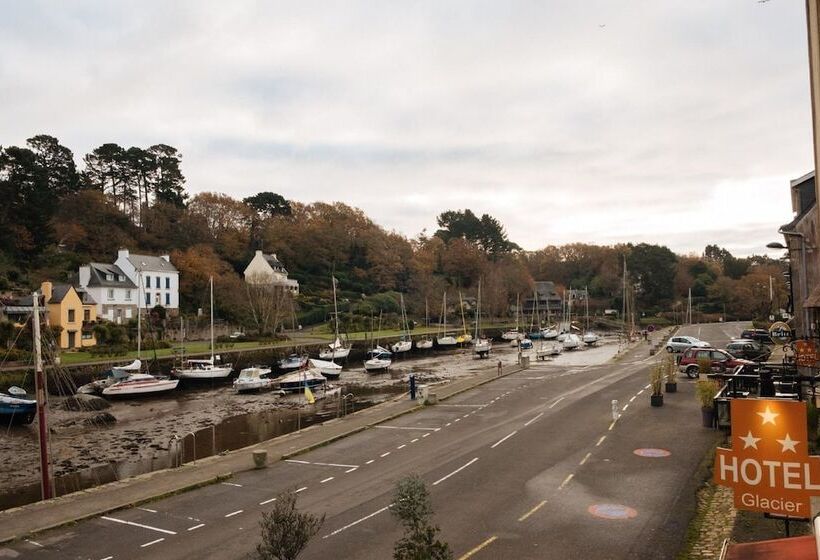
(795, 548)
(814, 298)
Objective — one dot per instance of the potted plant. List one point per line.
(704, 366)
(705, 392)
(671, 373)
(656, 376)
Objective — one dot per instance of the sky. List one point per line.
(668, 122)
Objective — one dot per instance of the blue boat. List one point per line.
(15, 408)
(525, 344)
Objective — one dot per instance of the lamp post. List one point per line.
(804, 281)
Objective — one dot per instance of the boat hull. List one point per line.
(424, 344)
(336, 354)
(328, 369)
(377, 364)
(17, 411)
(402, 346)
(446, 341)
(216, 372)
(128, 388)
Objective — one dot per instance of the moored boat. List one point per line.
(294, 361)
(116, 373)
(378, 359)
(424, 343)
(590, 338)
(298, 380)
(253, 379)
(336, 350)
(525, 344)
(572, 341)
(16, 408)
(140, 384)
(331, 370)
(202, 369)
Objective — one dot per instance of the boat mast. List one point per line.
(212, 319)
(623, 303)
(139, 314)
(478, 312)
(336, 322)
(586, 304)
(463, 320)
(517, 305)
(42, 403)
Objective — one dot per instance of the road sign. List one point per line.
(780, 332)
(805, 353)
(768, 466)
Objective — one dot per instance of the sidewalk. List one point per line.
(16, 523)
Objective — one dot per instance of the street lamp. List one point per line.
(804, 272)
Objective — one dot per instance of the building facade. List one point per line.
(545, 297)
(73, 312)
(114, 293)
(266, 269)
(156, 279)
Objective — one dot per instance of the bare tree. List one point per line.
(269, 303)
(286, 531)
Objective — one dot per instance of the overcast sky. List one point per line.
(670, 122)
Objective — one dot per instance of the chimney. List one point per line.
(85, 275)
(122, 253)
(166, 258)
(45, 289)
(258, 253)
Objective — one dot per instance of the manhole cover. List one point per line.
(651, 452)
(612, 511)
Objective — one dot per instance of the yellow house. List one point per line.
(73, 311)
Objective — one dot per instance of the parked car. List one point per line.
(749, 350)
(721, 361)
(681, 343)
(760, 335)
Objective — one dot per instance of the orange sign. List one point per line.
(806, 353)
(769, 466)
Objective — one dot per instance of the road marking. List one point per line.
(229, 484)
(351, 470)
(502, 440)
(457, 420)
(385, 454)
(260, 503)
(566, 481)
(445, 425)
(35, 543)
(479, 547)
(296, 461)
(300, 489)
(625, 406)
(465, 416)
(148, 510)
(124, 522)
(639, 392)
(370, 461)
(321, 464)
(402, 446)
(461, 468)
(559, 399)
(585, 459)
(195, 527)
(464, 405)
(612, 425)
(107, 558)
(328, 479)
(600, 441)
(407, 428)
(425, 435)
(151, 543)
(415, 440)
(647, 387)
(533, 510)
(533, 419)
(633, 398)
(237, 512)
(349, 525)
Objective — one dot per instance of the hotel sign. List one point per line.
(768, 466)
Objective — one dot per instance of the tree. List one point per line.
(106, 170)
(411, 505)
(168, 180)
(268, 304)
(653, 267)
(58, 163)
(286, 531)
(269, 204)
(485, 232)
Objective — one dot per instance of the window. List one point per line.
(167, 299)
(703, 354)
(86, 315)
(87, 335)
(167, 283)
(157, 299)
(147, 281)
(120, 278)
(71, 316)
(719, 356)
(109, 277)
(127, 295)
(110, 293)
(147, 298)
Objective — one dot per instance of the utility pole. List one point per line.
(41, 395)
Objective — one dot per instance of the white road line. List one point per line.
(612, 425)
(585, 459)
(556, 401)
(237, 512)
(385, 454)
(415, 440)
(465, 416)
(300, 489)
(402, 446)
(425, 435)
(462, 405)
(260, 503)
(195, 527)
(370, 461)
(600, 441)
(566, 481)
(35, 543)
(152, 542)
(445, 425)
(639, 392)
(633, 398)
(328, 479)
(124, 522)
(461, 468)
(502, 440)
(296, 461)
(148, 510)
(647, 387)
(351, 470)
(321, 464)
(533, 419)
(407, 428)
(107, 558)
(625, 407)
(365, 518)
(232, 484)
(457, 420)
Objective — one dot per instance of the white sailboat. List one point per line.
(205, 368)
(514, 335)
(337, 349)
(590, 338)
(425, 342)
(445, 339)
(330, 369)
(405, 343)
(465, 336)
(482, 345)
(378, 358)
(571, 340)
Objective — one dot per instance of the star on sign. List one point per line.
(788, 444)
(749, 440)
(768, 416)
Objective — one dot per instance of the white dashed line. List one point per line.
(370, 461)
(107, 558)
(237, 512)
(566, 481)
(385, 454)
(461, 468)
(260, 503)
(232, 484)
(415, 440)
(559, 399)
(35, 543)
(457, 420)
(641, 391)
(612, 425)
(625, 407)
(124, 522)
(151, 543)
(419, 429)
(633, 398)
(600, 441)
(502, 440)
(534, 419)
(303, 488)
(585, 459)
(425, 435)
(445, 425)
(351, 470)
(328, 479)
(148, 510)
(195, 527)
(402, 446)
(349, 525)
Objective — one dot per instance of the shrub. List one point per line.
(705, 392)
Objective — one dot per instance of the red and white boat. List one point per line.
(140, 384)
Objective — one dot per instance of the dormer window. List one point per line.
(109, 277)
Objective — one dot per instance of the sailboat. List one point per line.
(571, 340)
(16, 407)
(337, 349)
(405, 343)
(425, 342)
(465, 336)
(535, 325)
(445, 339)
(378, 358)
(482, 345)
(204, 368)
(590, 338)
(513, 334)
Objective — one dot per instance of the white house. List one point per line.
(114, 293)
(157, 280)
(266, 269)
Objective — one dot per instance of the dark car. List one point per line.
(759, 335)
(749, 350)
(721, 361)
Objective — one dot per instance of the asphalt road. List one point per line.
(528, 466)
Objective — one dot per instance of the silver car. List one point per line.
(682, 343)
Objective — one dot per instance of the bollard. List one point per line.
(525, 362)
(432, 398)
(260, 459)
(499, 367)
(615, 413)
(412, 387)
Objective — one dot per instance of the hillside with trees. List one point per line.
(58, 216)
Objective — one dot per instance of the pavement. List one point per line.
(18, 522)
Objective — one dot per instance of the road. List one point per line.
(528, 466)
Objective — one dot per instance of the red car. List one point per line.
(721, 361)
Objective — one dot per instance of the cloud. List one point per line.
(677, 124)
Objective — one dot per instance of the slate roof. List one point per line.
(274, 263)
(85, 296)
(150, 263)
(99, 272)
(59, 292)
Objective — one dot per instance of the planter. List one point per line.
(672, 387)
(656, 400)
(708, 417)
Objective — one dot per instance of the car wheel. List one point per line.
(670, 349)
(693, 372)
